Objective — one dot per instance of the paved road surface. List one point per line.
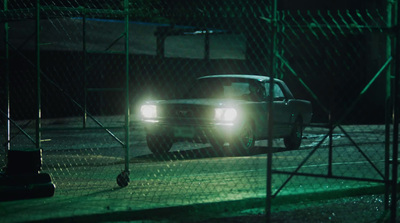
(85, 164)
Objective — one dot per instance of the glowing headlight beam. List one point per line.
(149, 111)
(225, 114)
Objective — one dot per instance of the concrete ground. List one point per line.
(193, 185)
(107, 202)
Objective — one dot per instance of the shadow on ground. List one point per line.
(206, 152)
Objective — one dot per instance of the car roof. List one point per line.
(245, 76)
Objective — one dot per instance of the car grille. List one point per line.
(186, 112)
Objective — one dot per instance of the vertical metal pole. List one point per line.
(388, 104)
(84, 69)
(7, 67)
(393, 208)
(126, 7)
(38, 79)
(330, 155)
(270, 112)
(161, 35)
(207, 45)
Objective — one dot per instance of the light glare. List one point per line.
(149, 111)
(225, 114)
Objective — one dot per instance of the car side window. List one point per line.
(278, 93)
(256, 92)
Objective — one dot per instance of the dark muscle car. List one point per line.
(229, 108)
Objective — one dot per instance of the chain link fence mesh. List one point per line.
(336, 59)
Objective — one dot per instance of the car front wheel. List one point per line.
(159, 144)
(293, 141)
(244, 141)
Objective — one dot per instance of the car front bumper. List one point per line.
(189, 131)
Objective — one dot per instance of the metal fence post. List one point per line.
(270, 111)
(85, 85)
(38, 79)
(127, 110)
(7, 83)
(123, 177)
(396, 100)
(207, 45)
(388, 103)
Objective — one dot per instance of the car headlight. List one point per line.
(149, 111)
(225, 114)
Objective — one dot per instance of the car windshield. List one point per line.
(231, 88)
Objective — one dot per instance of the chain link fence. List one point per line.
(75, 73)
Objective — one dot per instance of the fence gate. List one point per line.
(75, 73)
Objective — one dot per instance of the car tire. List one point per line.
(243, 143)
(159, 144)
(293, 141)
